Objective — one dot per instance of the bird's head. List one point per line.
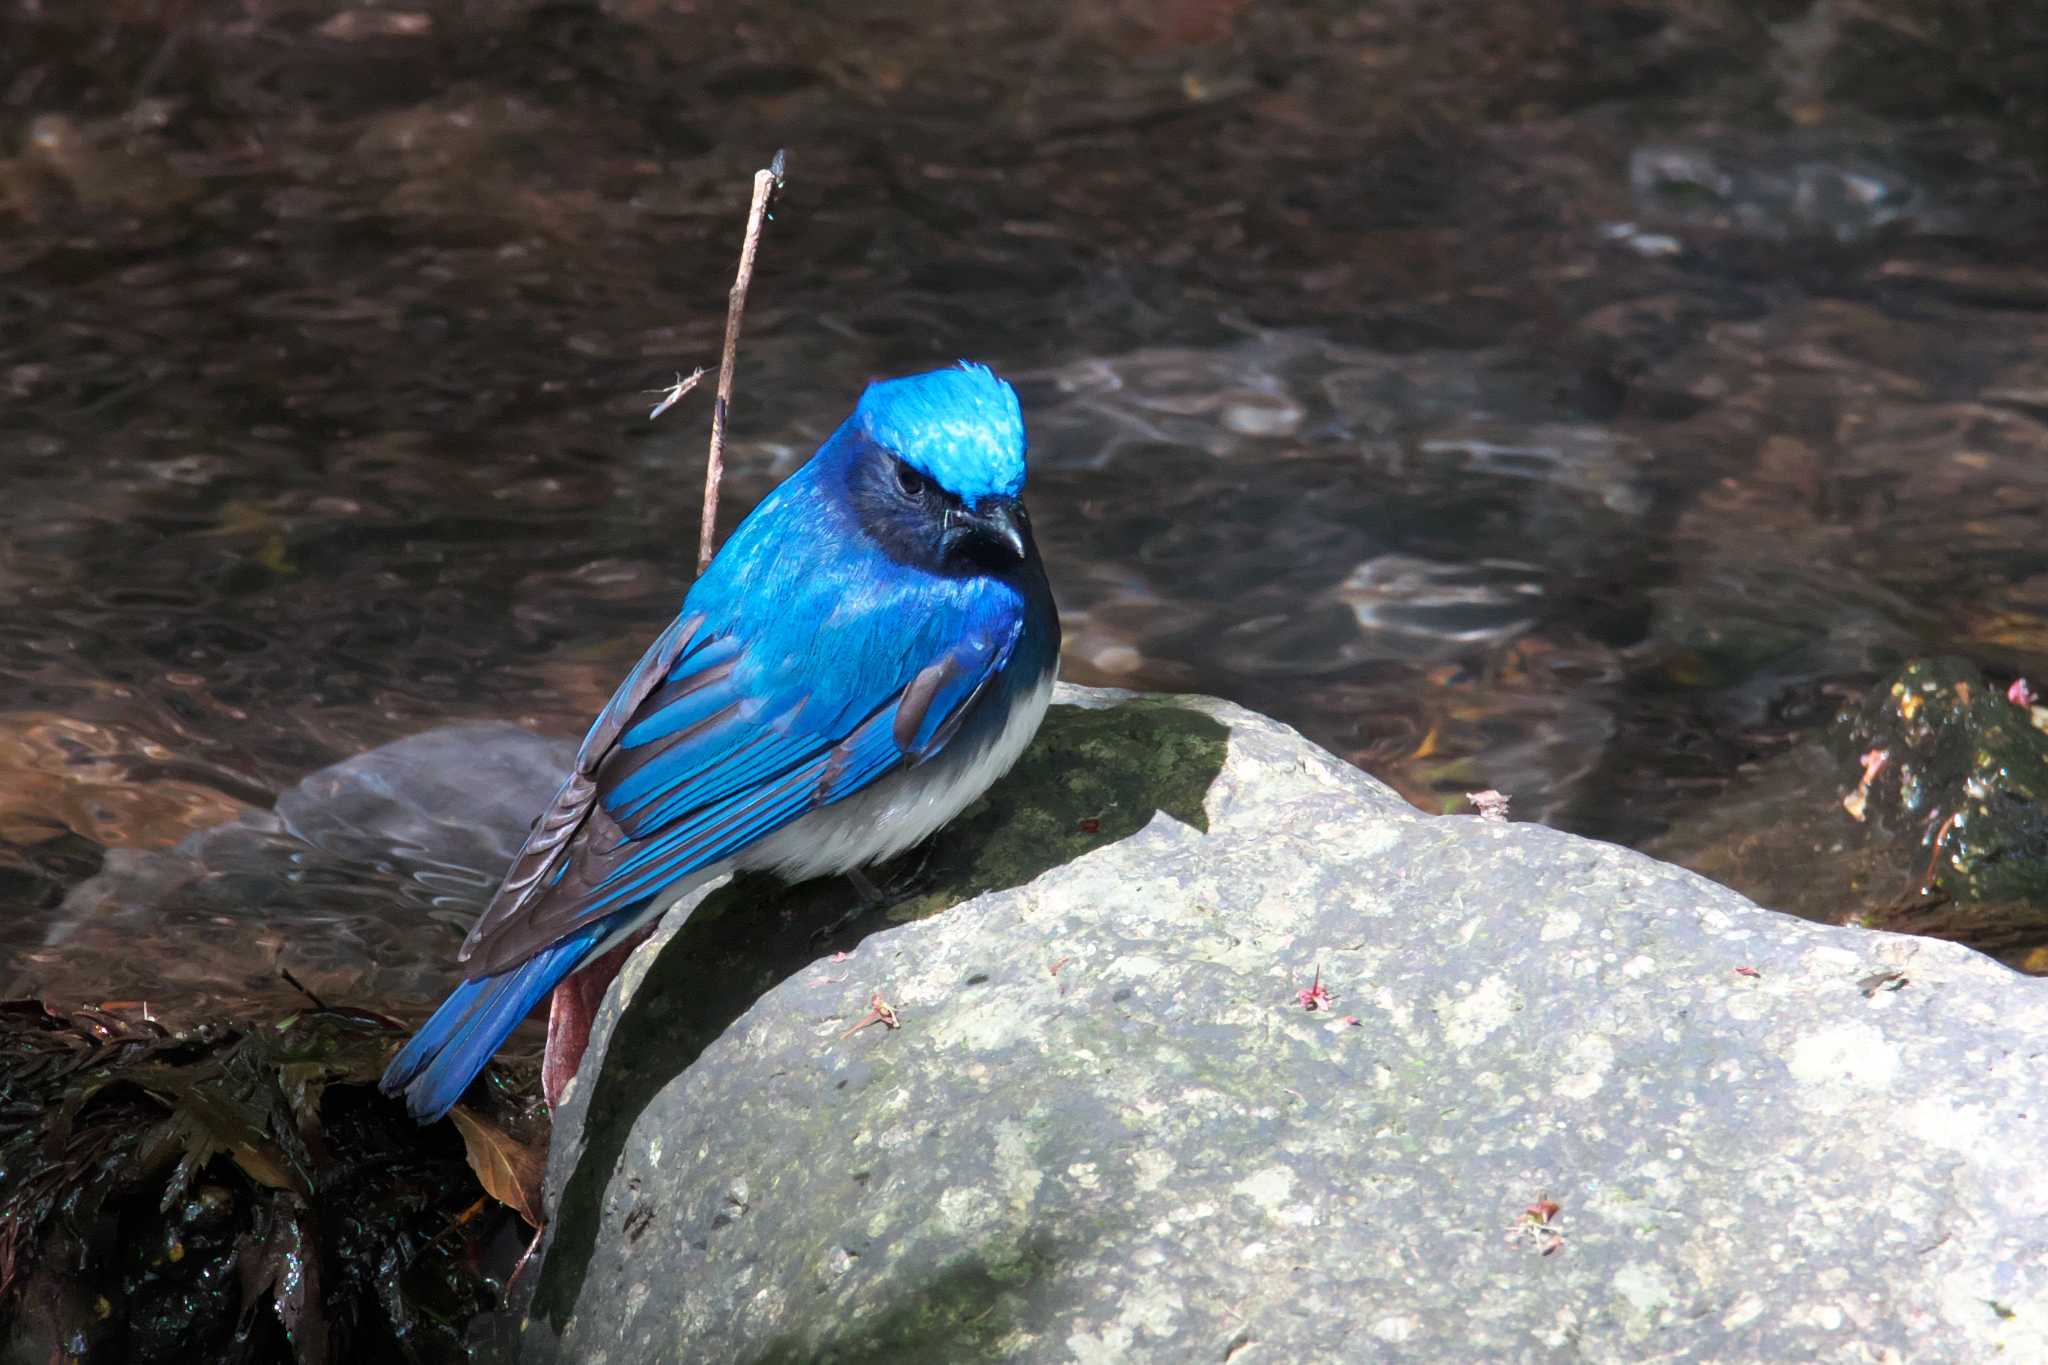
(937, 470)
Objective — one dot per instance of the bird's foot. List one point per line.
(902, 877)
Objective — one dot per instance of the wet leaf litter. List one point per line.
(240, 1192)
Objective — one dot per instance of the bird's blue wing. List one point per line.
(547, 844)
(732, 739)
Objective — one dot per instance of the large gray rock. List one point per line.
(1107, 1129)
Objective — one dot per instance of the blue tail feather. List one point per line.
(437, 1065)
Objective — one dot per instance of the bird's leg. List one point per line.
(907, 875)
(905, 879)
(871, 896)
(571, 1011)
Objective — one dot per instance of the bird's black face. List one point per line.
(917, 522)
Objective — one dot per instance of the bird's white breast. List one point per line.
(903, 809)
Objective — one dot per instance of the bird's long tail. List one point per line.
(437, 1065)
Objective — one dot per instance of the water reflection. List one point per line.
(1567, 408)
(360, 882)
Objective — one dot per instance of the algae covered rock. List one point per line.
(1924, 808)
(1964, 766)
(1072, 1102)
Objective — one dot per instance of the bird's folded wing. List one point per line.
(699, 756)
(548, 841)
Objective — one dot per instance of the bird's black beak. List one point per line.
(992, 530)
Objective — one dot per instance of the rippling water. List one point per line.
(1573, 403)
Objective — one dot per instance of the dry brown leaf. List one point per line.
(509, 1170)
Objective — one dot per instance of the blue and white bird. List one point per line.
(873, 647)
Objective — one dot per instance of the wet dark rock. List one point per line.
(1960, 755)
(1923, 808)
(1780, 191)
(362, 880)
(1558, 1097)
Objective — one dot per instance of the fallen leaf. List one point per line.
(286, 1266)
(203, 1125)
(510, 1171)
(206, 1145)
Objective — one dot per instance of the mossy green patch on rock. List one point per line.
(1091, 778)
(963, 1311)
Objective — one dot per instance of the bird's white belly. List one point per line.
(901, 810)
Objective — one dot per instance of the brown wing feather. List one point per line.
(544, 919)
(574, 805)
(918, 697)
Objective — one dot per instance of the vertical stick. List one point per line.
(765, 184)
(574, 1004)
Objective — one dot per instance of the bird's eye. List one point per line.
(909, 480)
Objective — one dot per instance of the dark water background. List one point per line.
(1572, 399)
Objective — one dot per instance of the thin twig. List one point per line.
(765, 184)
(300, 987)
(673, 394)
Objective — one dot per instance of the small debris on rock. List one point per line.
(1490, 805)
(880, 1011)
(1314, 996)
(1535, 1226)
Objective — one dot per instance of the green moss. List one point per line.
(1957, 752)
(1092, 778)
(959, 1313)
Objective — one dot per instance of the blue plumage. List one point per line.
(962, 427)
(872, 648)
(439, 1062)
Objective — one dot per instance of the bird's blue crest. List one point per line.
(960, 427)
